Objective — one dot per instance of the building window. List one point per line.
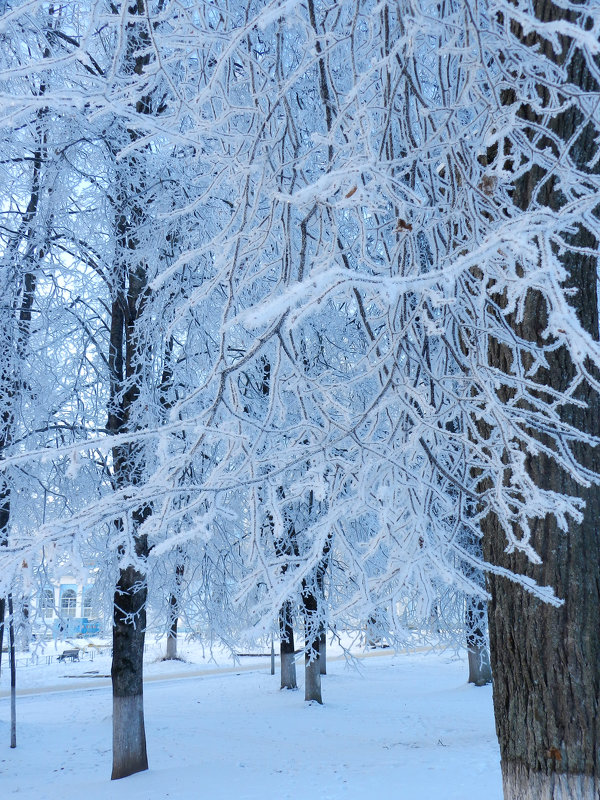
(68, 603)
(88, 607)
(48, 603)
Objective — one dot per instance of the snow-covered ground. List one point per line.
(402, 726)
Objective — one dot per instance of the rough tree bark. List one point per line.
(545, 659)
(129, 736)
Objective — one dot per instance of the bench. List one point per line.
(72, 654)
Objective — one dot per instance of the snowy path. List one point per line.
(84, 681)
(405, 727)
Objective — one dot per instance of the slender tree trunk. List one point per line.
(25, 628)
(174, 614)
(171, 654)
(323, 652)
(480, 672)
(13, 675)
(286, 648)
(2, 613)
(4, 519)
(312, 667)
(286, 548)
(371, 636)
(545, 659)
(321, 570)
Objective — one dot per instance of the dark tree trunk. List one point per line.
(129, 737)
(128, 357)
(323, 652)
(13, 675)
(286, 648)
(171, 654)
(4, 517)
(125, 361)
(129, 623)
(2, 614)
(545, 659)
(312, 675)
(321, 573)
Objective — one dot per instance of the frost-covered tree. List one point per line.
(545, 657)
(374, 203)
(33, 406)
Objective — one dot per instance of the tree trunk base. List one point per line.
(129, 736)
(171, 648)
(523, 784)
(312, 680)
(480, 672)
(288, 671)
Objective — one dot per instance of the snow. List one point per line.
(406, 726)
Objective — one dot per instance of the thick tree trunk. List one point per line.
(312, 675)
(545, 659)
(286, 648)
(129, 737)
(480, 672)
(519, 783)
